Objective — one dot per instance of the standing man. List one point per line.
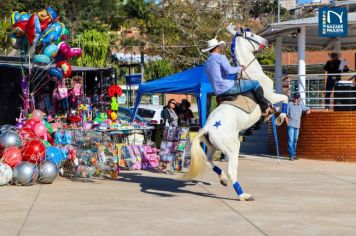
(218, 69)
(333, 67)
(294, 115)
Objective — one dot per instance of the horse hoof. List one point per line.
(246, 197)
(223, 182)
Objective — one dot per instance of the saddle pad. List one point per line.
(246, 104)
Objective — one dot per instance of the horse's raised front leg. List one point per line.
(278, 98)
(233, 154)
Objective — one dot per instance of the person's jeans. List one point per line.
(243, 86)
(293, 134)
(330, 84)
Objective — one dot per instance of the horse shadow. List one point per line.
(166, 187)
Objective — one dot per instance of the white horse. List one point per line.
(225, 122)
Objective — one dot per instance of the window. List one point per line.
(145, 113)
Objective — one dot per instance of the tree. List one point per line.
(5, 27)
(158, 69)
(95, 45)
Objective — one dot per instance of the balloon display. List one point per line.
(33, 151)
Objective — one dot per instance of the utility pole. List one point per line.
(278, 11)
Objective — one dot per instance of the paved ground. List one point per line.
(292, 198)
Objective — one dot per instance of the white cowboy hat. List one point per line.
(212, 43)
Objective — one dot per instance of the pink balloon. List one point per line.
(37, 115)
(69, 52)
(40, 129)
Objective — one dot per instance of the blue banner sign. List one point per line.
(333, 22)
(133, 79)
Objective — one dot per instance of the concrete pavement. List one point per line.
(292, 198)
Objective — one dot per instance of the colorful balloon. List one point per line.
(33, 29)
(52, 13)
(113, 116)
(24, 16)
(54, 154)
(41, 59)
(19, 28)
(51, 51)
(40, 129)
(26, 134)
(66, 68)
(5, 174)
(12, 156)
(25, 173)
(67, 51)
(48, 172)
(37, 115)
(51, 34)
(30, 123)
(55, 73)
(33, 151)
(9, 138)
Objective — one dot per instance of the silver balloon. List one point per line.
(25, 173)
(4, 128)
(9, 138)
(48, 172)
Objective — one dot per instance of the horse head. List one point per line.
(253, 41)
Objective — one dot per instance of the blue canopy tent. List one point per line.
(192, 81)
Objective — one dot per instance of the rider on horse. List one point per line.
(218, 69)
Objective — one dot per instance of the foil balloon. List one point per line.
(33, 29)
(33, 151)
(66, 68)
(48, 172)
(37, 115)
(55, 73)
(25, 173)
(40, 129)
(30, 123)
(26, 134)
(51, 34)
(24, 16)
(4, 128)
(69, 52)
(52, 13)
(19, 28)
(5, 174)
(41, 59)
(15, 17)
(54, 154)
(51, 51)
(9, 138)
(12, 156)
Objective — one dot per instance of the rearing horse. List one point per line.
(225, 122)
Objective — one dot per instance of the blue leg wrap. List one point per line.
(238, 188)
(217, 170)
(285, 108)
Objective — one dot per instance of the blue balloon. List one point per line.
(52, 33)
(24, 16)
(55, 72)
(41, 59)
(54, 154)
(51, 50)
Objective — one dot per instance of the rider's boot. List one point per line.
(266, 107)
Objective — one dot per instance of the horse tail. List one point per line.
(198, 157)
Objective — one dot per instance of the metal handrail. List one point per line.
(315, 90)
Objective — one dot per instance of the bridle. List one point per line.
(250, 40)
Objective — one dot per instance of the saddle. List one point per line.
(244, 101)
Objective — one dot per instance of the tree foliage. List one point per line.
(158, 69)
(96, 46)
